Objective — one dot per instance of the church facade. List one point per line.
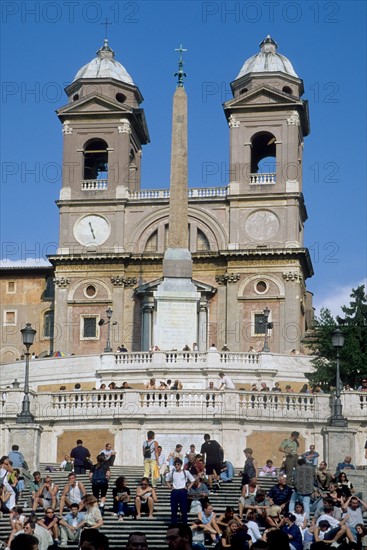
(246, 238)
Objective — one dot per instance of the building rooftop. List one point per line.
(267, 60)
(105, 66)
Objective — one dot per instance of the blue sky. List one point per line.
(44, 43)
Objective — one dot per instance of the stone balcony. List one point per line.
(263, 179)
(237, 406)
(193, 192)
(94, 185)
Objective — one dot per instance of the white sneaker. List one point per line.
(334, 545)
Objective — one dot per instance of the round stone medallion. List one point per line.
(262, 225)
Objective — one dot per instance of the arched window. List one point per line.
(48, 324)
(202, 242)
(152, 242)
(96, 160)
(263, 158)
(287, 90)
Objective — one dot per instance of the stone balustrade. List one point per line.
(177, 357)
(238, 405)
(262, 179)
(197, 192)
(94, 185)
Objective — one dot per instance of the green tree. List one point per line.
(353, 355)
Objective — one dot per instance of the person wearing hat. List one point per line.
(274, 518)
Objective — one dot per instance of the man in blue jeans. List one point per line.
(227, 472)
(180, 482)
(304, 486)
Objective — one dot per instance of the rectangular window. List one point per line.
(49, 293)
(259, 323)
(11, 287)
(48, 325)
(89, 329)
(10, 317)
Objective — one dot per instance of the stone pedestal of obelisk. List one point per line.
(176, 319)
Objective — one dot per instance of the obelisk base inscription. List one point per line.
(176, 319)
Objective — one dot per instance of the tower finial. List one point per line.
(180, 74)
(106, 23)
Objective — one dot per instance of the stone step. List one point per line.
(155, 528)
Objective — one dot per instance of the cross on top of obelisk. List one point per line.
(106, 23)
(180, 74)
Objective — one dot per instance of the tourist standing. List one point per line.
(250, 468)
(180, 482)
(289, 447)
(99, 476)
(226, 382)
(212, 454)
(80, 455)
(150, 455)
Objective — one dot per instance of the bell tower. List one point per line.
(104, 130)
(268, 121)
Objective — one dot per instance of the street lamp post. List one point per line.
(108, 348)
(25, 416)
(337, 418)
(268, 325)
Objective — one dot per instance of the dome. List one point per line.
(104, 66)
(267, 60)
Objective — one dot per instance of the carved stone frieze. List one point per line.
(227, 278)
(66, 129)
(232, 122)
(292, 276)
(294, 119)
(62, 282)
(123, 281)
(124, 127)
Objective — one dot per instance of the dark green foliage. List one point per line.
(353, 355)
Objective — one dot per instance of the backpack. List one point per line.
(99, 476)
(147, 450)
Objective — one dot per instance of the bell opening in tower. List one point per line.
(263, 158)
(96, 160)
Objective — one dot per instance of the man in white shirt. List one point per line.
(44, 537)
(180, 482)
(353, 508)
(109, 454)
(226, 382)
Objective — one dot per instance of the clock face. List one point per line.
(92, 230)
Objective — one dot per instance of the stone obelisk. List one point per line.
(176, 320)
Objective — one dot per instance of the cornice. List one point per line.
(249, 256)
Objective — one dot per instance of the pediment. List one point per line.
(152, 286)
(94, 103)
(263, 95)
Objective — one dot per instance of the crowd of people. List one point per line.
(224, 382)
(307, 508)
